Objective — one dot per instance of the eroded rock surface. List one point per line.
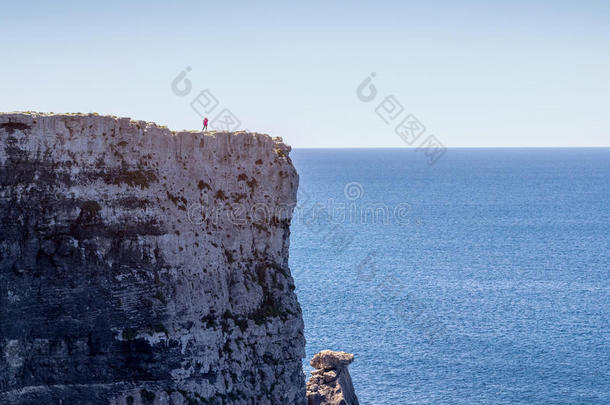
(144, 266)
(330, 383)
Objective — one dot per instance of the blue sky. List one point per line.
(474, 73)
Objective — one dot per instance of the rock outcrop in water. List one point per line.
(144, 266)
(330, 383)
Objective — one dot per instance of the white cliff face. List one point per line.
(140, 265)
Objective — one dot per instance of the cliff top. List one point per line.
(139, 123)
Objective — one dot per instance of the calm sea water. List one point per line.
(483, 279)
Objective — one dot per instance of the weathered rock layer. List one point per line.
(140, 265)
(330, 383)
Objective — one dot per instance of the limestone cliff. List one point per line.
(140, 265)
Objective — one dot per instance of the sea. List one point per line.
(479, 277)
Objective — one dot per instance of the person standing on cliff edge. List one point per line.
(205, 124)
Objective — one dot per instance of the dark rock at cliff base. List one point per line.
(144, 266)
(330, 383)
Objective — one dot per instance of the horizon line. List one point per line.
(453, 147)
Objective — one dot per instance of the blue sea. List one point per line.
(482, 279)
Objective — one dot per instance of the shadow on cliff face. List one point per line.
(11, 127)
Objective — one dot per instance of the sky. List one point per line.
(470, 73)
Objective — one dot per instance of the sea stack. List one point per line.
(330, 383)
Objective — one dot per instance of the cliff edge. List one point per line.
(144, 266)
